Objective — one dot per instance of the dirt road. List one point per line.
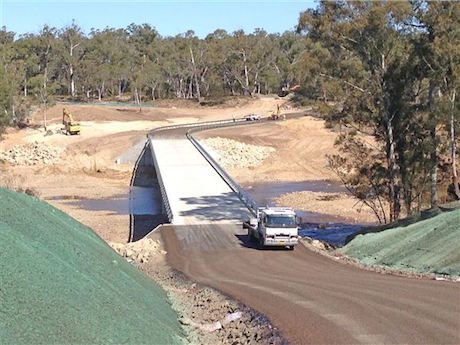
(311, 298)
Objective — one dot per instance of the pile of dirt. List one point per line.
(207, 315)
(32, 154)
(427, 246)
(62, 284)
(140, 251)
(334, 204)
(234, 154)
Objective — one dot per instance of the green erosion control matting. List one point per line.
(61, 284)
(428, 246)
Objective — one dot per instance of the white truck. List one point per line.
(274, 226)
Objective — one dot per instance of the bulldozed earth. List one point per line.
(72, 172)
(90, 177)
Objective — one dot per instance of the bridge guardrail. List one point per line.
(164, 195)
(235, 186)
(196, 127)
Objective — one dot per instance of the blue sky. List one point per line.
(169, 17)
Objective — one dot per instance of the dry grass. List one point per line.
(19, 185)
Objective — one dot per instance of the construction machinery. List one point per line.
(276, 115)
(70, 126)
(274, 226)
(285, 90)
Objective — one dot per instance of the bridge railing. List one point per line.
(164, 196)
(235, 186)
(196, 127)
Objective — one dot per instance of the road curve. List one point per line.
(311, 298)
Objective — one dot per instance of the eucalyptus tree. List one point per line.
(71, 41)
(439, 51)
(364, 40)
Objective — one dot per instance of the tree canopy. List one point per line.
(384, 69)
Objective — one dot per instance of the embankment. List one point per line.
(61, 283)
(428, 246)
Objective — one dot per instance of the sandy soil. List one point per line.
(87, 168)
(301, 149)
(329, 203)
(208, 316)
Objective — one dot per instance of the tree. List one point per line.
(71, 42)
(43, 85)
(366, 43)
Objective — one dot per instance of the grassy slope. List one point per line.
(60, 283)
(429, 246)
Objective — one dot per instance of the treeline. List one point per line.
(138, 63)
(391, 70)
(388, 70)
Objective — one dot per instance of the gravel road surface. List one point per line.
(311, 298)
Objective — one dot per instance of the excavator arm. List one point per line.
(70, 126)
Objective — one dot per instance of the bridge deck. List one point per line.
(196, 192)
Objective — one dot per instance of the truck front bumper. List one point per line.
(281, 241)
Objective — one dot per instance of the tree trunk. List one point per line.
(137, 98)
(393, 171)
(197, 83)
(393, 167)
(246, 74)
(44, 93)
(453, 147)
(433, 154)
(99, 94)
(72, 81)
(190, 89)
(153, 92)
(71, 70)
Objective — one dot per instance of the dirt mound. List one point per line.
(32, 154)
(61, 284)
(428, 246)
(207, 315)
(139, 251)
(234, 154)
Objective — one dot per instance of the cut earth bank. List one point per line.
(290, 153)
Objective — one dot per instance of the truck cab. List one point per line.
(274, 226)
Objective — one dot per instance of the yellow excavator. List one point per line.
(70, 126)
(276, 115)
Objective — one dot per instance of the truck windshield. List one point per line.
(281, 222)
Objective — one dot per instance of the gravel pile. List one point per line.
(208, 316)
(32, 154)
(138, 252)
(235, 154)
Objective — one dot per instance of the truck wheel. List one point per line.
(261, 242)
(250, 236)
(291, 247)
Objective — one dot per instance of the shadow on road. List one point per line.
(220, 207)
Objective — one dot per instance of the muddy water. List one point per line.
(327, 228)
(266, 193)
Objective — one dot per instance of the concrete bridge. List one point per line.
(196, 192)
(309, 297)
(189, 187)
